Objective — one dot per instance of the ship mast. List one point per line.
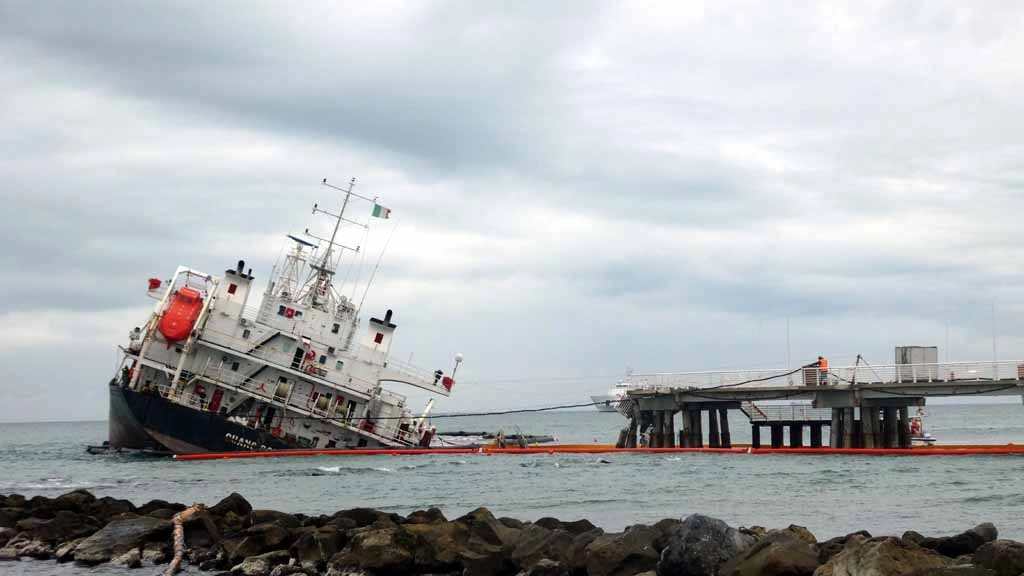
(319, 293)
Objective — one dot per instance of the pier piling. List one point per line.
(658, 430)
(686, 434)
(669, 437)
(698, 428)
(755, 435)
(816, 434)
(847, 427)
(777, 435)
(723, 422)
(904, 426)
(714, 440)
(796, 436)
(835, 431)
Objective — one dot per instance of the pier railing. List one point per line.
(812, 376)
(785, 412)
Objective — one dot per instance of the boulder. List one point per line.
(256, 540)
(234, 503)
(159, 552)
(20, 546)
(831, 547)
(63, 526)
(130, 559)
(119, 536)
(622, 554)
(155, 505)
(780, 553)
(15, 501)
(577, 527)
(886, 556)
(281, 519)
(1005, 557)
(486, 532)
(6, 534)
(367, 517)
(664, 528)
(512, 523)
(314, 548)
(428, 516)
(107, 508)
(578, 551)
(953, 546)
(549, 523)
(436, 547)
(10, 516)
(261, 565)
(66, 551)
(700, 545)
(537, 543)
(379, 550)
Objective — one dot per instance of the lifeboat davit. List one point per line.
(181, 314)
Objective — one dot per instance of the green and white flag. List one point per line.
(380, 211)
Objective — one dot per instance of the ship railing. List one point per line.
(321, 371)
(384, 429)
(918, 373)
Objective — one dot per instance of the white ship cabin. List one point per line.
(292, 366)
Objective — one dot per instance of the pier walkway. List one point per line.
(863, 406)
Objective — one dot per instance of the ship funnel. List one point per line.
(387, 317)
(241, 267)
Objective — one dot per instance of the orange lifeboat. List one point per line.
(181, 314)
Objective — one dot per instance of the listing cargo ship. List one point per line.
(208, 372)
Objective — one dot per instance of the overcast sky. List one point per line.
(578, 187)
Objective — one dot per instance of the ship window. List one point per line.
(234, 366)
(338, 365)
(335, 328)
(323, 359)
(298, 313)
(232, 288)
(246, 333)
(280, 310)
(378, 338)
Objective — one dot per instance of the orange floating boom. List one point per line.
(953, 450)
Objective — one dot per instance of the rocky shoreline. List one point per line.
(233, 538)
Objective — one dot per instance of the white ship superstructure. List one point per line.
(211, 372)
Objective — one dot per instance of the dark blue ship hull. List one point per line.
(148, 421)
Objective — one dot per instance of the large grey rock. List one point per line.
(623, 554)
(6, 534)
(538, 543)
(314, 548)
(953, 546)
(780, 553)
(1006, 557)
(829, 548)
(261, 565)
(700, 545)
(130, 559)
(119, 536)
(428, 516)
(62, 527)
(233, 503)
(256, 540)
(383, 550)
(885, 556)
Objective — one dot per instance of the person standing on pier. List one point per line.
(822, 371)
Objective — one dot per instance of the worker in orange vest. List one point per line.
(822, 371)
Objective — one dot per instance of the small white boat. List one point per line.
(609, 402)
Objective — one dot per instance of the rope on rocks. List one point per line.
(179, 536)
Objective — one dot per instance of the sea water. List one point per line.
(831, 495)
